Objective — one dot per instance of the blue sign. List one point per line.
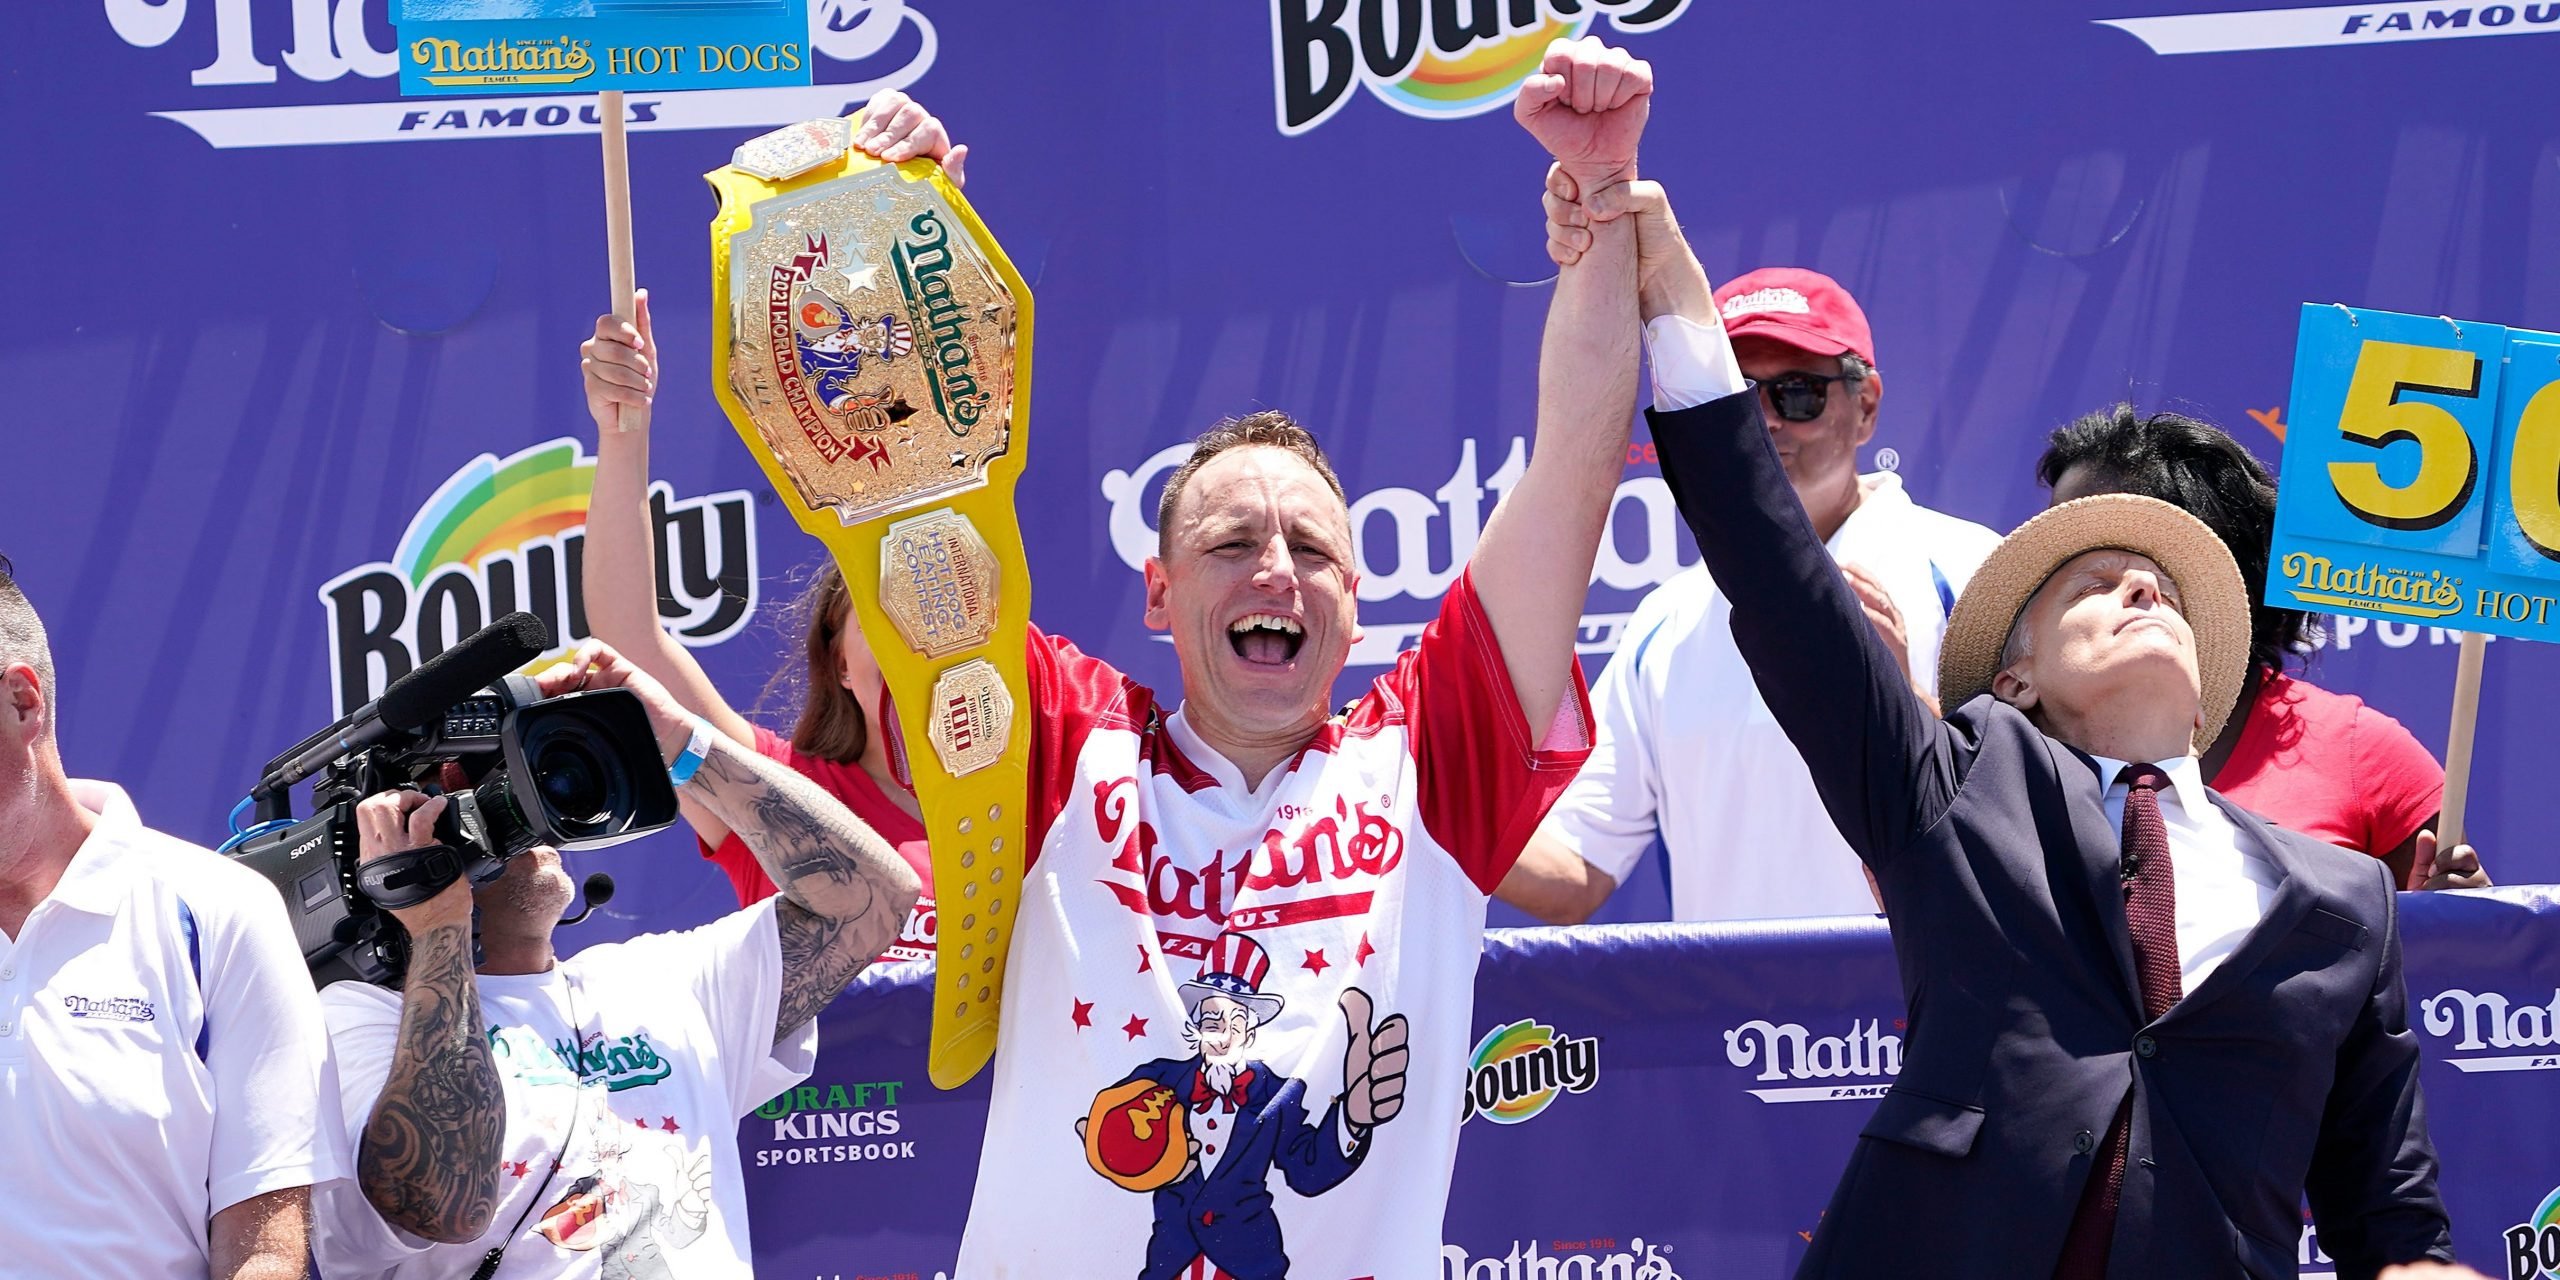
(450, 47)
(2423, 463)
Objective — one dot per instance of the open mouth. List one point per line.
(1265, 639)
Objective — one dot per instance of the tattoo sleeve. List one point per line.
(429, 1157)
(844, 890)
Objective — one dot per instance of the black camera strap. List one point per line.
(577, 1111)
(400, 880)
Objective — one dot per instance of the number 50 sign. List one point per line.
(2422, 473)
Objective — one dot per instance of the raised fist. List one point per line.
(1586, 105)
(1372, 1065)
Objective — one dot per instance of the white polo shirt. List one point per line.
(161, 1056)
(1687, 752)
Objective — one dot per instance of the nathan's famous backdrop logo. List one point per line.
(1412, 544)
(2526, 1028)
(1861, 1063)
(503, 534)
(1518, 1069)
(1438, 59)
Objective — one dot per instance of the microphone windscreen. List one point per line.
(599, 889)
(482, 659)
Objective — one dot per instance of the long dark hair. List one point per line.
(2197, 467)
(831, 725)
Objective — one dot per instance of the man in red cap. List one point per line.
(1686, 752)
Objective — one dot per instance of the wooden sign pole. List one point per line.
(2457, 747)
(617, 224)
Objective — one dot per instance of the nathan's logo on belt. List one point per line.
(1517, 1070)
(924, 275)
(1865, 1060)
(2490, 1020)
(110, 1009)
(2371, 588)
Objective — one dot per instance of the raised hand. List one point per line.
(620, 367)
(1668, 277)
(1373, 1064)
(896, 127)
(596, 665)
(1586, 104)
(2455, 868)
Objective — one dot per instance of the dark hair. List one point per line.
(22, 636)
(1270, 428)
(831, 725)
(2196, 466)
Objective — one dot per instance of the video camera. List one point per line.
(579, 771)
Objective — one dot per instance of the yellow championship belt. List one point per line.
(872, 344)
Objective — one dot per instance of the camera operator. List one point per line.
(161, 1051)
(579, 1117)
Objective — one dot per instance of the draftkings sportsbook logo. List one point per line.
(1859, 1064)
(835, 1124)
(1517, 1070)
(503, 534)
(1439, 61)
(2489, 1020)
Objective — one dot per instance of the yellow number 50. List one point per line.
(2375, 416)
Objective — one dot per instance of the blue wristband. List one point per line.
(690, 759)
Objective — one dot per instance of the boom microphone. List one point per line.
(419, 698)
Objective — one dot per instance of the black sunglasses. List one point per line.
(1800, 397)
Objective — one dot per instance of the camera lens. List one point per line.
(572, 779)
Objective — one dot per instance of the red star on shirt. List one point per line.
(1366, 951)
(1315, 961)
(518, 1168)
(668, 1123)
(643, 1123)
(1083, 1014)
(1144, 963)
(1135, 1026)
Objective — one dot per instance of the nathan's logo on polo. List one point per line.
(2371, 588)
(1398, 535)
(1775, 298)
(2489, 1020)
(1597, 1259)
(1864, 1060)
(503, 534)
(2533, 1245)
(1440, 61)
(110, 1008)
(813, 1114)
(1517, 1070)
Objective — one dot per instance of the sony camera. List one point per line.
(578, 771)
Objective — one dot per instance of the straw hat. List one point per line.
(2215, 602)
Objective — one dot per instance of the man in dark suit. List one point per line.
(2144, 1023)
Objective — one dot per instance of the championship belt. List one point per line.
(873, 346)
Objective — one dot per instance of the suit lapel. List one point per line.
(2099, 850)
(2292, 900)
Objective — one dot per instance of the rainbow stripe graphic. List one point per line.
(494, 504)
(1520, 1037)
(2547, 1215)
(1478, 79)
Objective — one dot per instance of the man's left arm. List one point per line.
(844, 890)
(1532, 566)
(265, 1237)
(2373, 1173)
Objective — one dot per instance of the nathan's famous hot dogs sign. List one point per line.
(872, 345)
(2422, 473)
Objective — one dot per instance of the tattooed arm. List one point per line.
(428, 1160)
(844, 889)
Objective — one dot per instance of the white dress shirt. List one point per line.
(2223, 886)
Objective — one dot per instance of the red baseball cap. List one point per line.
(1804, 309)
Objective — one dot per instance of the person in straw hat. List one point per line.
(2144, 1023)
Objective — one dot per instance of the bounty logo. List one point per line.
(1864, 1061)
(1517, 1070)
(503, 534)
(2489, 1020)
(1440, 60)
(2533, 1245)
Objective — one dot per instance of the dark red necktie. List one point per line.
(2151, 915)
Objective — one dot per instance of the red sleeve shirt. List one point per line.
(2327, 765)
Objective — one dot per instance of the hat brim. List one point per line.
(1264, 1007)
(2211, 594)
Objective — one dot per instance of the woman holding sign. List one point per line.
(2321, 763)
(834, 741)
